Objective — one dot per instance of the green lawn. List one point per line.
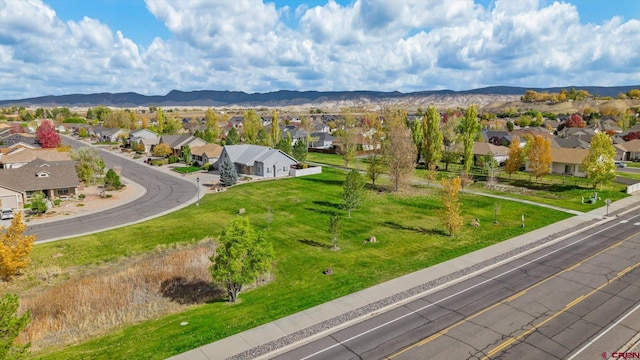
(186, 169)
(407, 229)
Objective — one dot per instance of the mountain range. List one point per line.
(284, 98)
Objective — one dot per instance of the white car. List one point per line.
(620, 164)
(6, 214)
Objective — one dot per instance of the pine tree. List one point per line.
(228, 174)
(10, 326)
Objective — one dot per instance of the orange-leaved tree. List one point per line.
(15, 246)
(514, 162)
(539, 156)
(451, 215)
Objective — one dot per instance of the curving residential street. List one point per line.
(164, 193)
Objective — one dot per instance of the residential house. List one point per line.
(321, 140)
(20, 139)
(581, 133)
(206, 154)
(295, 133)
(567, 161)
(148, 138)
(104, 134)
(54, 179)
(570, 143)
(258, 160)
(20, 156)
(629, 150)
(176, 142)
(482, 150)
(495, 137)
(610, 125)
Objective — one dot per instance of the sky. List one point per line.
(57, 47)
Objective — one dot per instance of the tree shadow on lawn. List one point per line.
(314, 243)
(323, 205)
(188, 292)
(419, 230)
(324, 181)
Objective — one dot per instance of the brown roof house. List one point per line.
(54, 179)
(629, 150)
(483, 150)
(206, 154)
(21, 156)
(568, 161)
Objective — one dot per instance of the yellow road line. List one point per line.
(511, 298)
(499, 348)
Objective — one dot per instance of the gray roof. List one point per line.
(59, 175)
(323, 136)
(175, 141)
(572, 142)
(247, 154)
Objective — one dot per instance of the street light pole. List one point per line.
(198, 188)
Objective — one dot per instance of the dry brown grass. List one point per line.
(101, 299)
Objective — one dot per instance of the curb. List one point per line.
(313, 332)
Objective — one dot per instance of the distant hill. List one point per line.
(285, 98)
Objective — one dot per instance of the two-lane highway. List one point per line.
(163, 193)
(545, 305)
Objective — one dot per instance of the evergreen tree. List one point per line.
(232, 137)
(300, 150)
(10, 326)
(228, 174)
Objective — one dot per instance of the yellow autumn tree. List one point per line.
(451, 215)
(15, 246)
(539, 156)
(514, 162)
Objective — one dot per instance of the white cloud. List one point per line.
(369, 44)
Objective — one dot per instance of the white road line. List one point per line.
(456, 294)
(604, 332)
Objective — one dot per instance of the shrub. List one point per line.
(38, 202)
(206, 167)
(57, 202)
(173, 159)
(112, 180)
(82, 196)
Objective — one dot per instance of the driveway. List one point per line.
(164, 193)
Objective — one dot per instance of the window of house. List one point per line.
(63, 191)
(268, 170)
(42, 174)
(284, 168)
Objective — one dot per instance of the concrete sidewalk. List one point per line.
(275, 337)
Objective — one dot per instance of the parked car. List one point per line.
(6, 214)
(620, 164)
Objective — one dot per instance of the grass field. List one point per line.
(406, 226)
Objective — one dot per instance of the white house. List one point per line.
(258, 160)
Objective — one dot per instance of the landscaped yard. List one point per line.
(186, 169)
(406, 226)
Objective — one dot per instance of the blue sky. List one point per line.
(154, 46)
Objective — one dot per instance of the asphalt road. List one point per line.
(545, 305)
(164, 192)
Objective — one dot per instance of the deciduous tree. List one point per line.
(375, 168)
(539, 156)
(416, 136)
(432, 138)
(186, 154)
(452, 141)
(274, 136)
(575, 120)
(241, 258)
(38, 202)
(469, 127)
(212, 124)
(251, 125)
(88, 163)
(334, 229)
(162, 150)
(11, 324)
(15, 247)
(451, 215)
(47, 135)
(599, 165)
(347, 138)
(515, 160)
(400, 154)
(353, 191)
